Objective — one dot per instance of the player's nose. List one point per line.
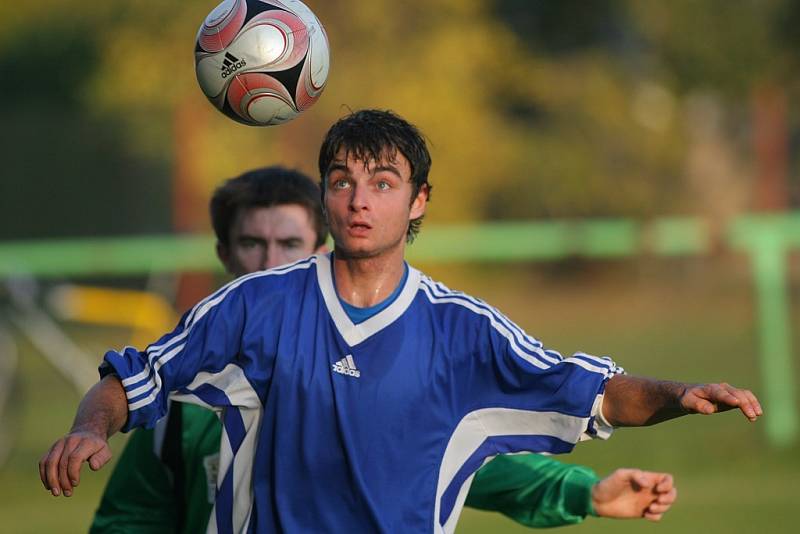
(273, 257)
(263, 260)
(272, 263)
(358, 197)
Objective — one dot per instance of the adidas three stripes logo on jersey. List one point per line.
(346, 366)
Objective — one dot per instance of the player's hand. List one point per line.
(632, 493)
(60, 467)
(712, 398)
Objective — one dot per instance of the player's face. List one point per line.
(262, 238)
(369, 204)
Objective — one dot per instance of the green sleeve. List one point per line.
(168, 491)
(534, 490)
(138, 497)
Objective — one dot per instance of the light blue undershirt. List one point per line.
(359, 315)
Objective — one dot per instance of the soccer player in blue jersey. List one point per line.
(165, 479)
(357, 394)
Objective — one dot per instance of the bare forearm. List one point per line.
(636, 401)
(103, 410)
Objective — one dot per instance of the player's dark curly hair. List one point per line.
(264, 188)
(369, 135)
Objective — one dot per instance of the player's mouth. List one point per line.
(358, 228)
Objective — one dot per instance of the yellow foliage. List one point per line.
(514, 131)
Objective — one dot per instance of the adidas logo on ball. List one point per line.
(231, 64)
(287, 59)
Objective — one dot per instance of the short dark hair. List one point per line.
(371, 134)
(264, 188)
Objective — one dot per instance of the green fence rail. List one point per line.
(766, 239)
(501, 242)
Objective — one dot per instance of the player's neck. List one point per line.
(365, 282)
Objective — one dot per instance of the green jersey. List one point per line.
(165, 481)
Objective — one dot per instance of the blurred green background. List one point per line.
(535, 111)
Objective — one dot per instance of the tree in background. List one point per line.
(533, 109)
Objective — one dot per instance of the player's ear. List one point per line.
(418, 203)
(224, 255)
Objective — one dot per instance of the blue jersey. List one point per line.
(331, 426)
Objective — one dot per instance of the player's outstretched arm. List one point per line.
(636, 401)
(534, 490)
(632, 493)
(541, 492)
(101, 413)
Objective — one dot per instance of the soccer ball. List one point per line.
(262, 62)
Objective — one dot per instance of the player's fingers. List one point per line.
(77, 448)
(724, 394)
(43, 469)
(63, 463)
(699, 399)
(620, 478)
(644, 479)
(657, 508)
(51, 468)
(665, 484)
(661, 506)
(754, 401)
(624, 472)
(699, 405)
(748, 403)
(652, 517)
(100, 458)
(75, 460)
(669, 497)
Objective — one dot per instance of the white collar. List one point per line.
(354, 334)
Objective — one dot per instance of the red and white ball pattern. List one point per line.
(262, 62)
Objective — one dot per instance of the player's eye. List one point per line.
(340, 183)
(383, 185)
(292, 244)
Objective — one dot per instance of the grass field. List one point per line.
(690, 321)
